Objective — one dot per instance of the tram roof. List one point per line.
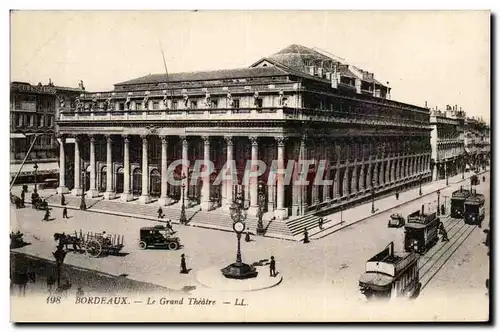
(475, 199)
(459, 194)
(376, 279)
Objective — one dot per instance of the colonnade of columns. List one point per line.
(353, 170)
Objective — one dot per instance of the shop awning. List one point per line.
(17, 135)
(27, 169)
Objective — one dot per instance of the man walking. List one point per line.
(63, 200)
(444, 234)
(184, 269)
(272, 267)
(65, 213)
(160, 212)
(320, 223)
(306, 236)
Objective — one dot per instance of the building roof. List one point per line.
(207, 75)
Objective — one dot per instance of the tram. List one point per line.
(457, 202)
(474, 209)
(389, 274)
(421, 231)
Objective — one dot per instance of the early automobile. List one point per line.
(390, 274)
(50, 184)
(158, 236)
(396, 220)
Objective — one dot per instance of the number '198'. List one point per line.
(54, 299)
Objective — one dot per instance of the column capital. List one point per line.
(206, 140)
(164, 139)
(280, 140)
(184, 139)
(229, 140)
(125, 138)
(108, 138)
(92, 138)
(144, 138)
(254, 140)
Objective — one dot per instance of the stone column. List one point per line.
(336, 182)
(387, 170)
(361, 178)
(381, 174)
(109, 194)
(62, 189)
(369, 175)
(164, 199)
(254, 207)
(77, 190)
(326, 187)
(345, 183)
(354, 179)
(185, 169)
(145, 198)
(126, 195)
(229, 183)
(205, 189)
(92, 191)
(280, 213)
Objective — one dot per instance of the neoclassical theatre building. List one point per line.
(297, 104)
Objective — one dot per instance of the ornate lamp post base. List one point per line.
(239, 271)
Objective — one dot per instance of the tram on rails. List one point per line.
(389, 274)
(421, 231)
(457, 202)
(474, 209)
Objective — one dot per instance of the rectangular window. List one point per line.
(121, 106)
(138, 106)
(31, 120)
(214, 103)
(236, 103)
(194, 104)
(258, 103)
(20, 120)
(174, 104)
(40, 121)
(51, 120)
(156, 105)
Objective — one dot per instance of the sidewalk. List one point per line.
(333, 222)
(219, 221)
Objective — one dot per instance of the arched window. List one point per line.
(102, 186)
(119, 180)
(155, 183)
(137, 182)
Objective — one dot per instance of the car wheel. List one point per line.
(173, 246)
(142, 245)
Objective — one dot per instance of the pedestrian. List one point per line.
(247, 236)
(160, 213)
(47, 215)
(484, 179)
(22, 198)
(397, 195)
(444, 234)
(184, 269)
(443, 210)
(79, 292)
(65, 213)
(63, 200)
(320, 223)
(306, 236)
(272, 267)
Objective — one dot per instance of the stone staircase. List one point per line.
(309, 221)
(206, 219)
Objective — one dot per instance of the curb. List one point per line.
(386, 210)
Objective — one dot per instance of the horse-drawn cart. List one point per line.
(102, 243)
(94, 244)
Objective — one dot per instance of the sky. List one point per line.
(442, 57)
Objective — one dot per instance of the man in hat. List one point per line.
(160, 212)
(184, 269)
(272, 267)
(65, 213)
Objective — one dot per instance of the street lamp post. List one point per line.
(438, 194)
(261, 202)
(373, 196)
(83, 205)
(420, 183)
(182, 218)
(239, 270)
(35, 166)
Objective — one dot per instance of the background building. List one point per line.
(34, 109)
(447, 141)
(477, 142)
(294, 105)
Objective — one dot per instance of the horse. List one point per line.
(67, 240)
(21, 279)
